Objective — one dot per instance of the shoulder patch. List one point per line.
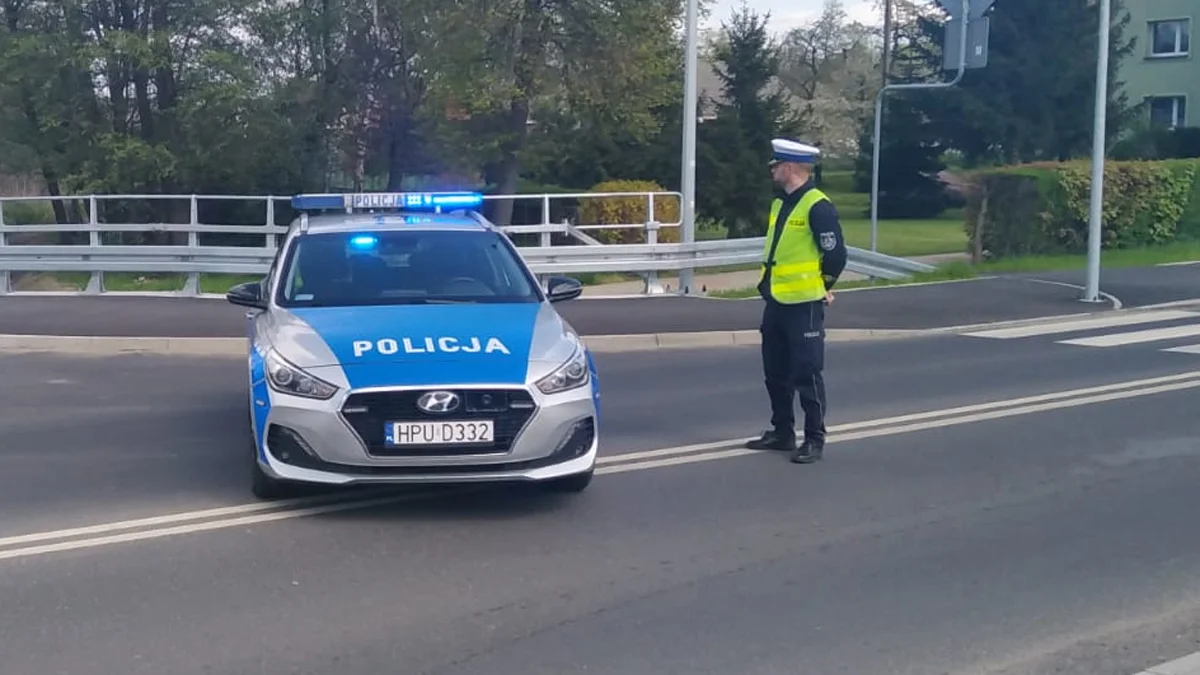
(828, 241)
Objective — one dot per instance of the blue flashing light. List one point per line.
(407, 201)
(364, 241)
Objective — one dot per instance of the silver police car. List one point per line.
(401, 338)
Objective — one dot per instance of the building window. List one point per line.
(1168, 111)
(1170, 38)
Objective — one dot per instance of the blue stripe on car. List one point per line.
(591, 362)
(402, 345)
(260, 400)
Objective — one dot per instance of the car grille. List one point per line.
(369, 412)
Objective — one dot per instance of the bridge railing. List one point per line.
(178, 247)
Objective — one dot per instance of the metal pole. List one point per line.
(887, 40)
(875, 167)
(1099, 122)
(688, 182)
(962, 69)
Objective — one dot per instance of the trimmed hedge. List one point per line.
(629, 211)
(1042, 209)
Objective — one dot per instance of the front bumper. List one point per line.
(340, 441)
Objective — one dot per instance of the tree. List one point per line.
(507, 63)
(909, 158)
(1034, 99)
(832, 66)
(755, 108)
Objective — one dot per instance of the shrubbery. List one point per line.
(629, 211)
(1043, 208)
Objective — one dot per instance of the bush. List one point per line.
(1158, 143)
(1043, 208)
(632, 211)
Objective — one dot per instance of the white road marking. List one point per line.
(674, 461)
(173, 518)
(206, 526)
(246, 514)
(1185, 349)
(1136, 337)
(922, 426)
(838, 429)
(1083, 324)
(1187, 665)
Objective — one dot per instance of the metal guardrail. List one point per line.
(23, 249)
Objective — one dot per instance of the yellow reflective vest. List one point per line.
(796, 269)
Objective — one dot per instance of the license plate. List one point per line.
(467, 432)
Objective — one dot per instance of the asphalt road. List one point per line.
(1140, 285)
(1010, 297)
(913, 307)
(1056, 541)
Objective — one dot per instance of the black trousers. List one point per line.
(793, 355)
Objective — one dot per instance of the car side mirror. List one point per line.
(563, 288)
(248, 294)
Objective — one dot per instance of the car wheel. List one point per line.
(262, 485)
(577, 483)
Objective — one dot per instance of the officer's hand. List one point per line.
(828, 297)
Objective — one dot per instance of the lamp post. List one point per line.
(688, 182)
(1091, 291)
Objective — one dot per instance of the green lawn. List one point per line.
(909, 238)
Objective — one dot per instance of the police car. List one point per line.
(401, 338)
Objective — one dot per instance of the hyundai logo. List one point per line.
(438, 401)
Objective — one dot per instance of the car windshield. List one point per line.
(396, 268)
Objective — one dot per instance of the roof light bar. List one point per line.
(388, 201)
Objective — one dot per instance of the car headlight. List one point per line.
(288, 379)
(572, 374)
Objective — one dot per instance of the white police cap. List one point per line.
(785, 150)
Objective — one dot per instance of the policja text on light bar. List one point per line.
(412, 201)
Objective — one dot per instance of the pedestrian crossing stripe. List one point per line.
(1073, 325)
(1135, 334)
(1136, 337)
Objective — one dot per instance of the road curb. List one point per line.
(229, 346)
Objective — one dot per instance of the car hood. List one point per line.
(417, 344)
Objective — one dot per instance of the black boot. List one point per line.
(808, 452)
(773, 440)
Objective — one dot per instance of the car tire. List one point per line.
(263, 486)
(571, 484)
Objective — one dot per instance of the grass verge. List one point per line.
(126, 282)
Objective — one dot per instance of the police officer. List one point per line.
(804, 255)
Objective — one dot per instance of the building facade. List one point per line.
(1163, 71)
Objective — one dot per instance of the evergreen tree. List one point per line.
(732, 158)
(1034, 99)
(909, 161)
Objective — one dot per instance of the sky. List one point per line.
(788, 14)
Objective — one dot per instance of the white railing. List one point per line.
(23, 247)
